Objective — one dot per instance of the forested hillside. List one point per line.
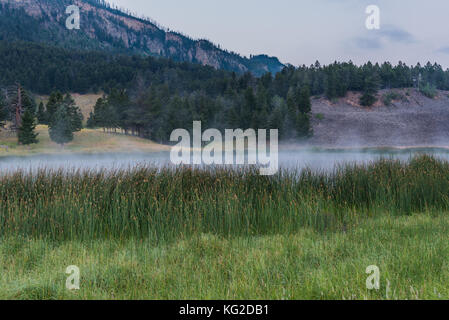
(110, 30)
(43, 69)
(280, 102)
(150, 96)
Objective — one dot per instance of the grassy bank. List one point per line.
(147, 233)
(411, 252)
(86, 141)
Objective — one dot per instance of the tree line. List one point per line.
(153, 112)
(60, 114)
(152, 109)
(44, 69)
(149, 97)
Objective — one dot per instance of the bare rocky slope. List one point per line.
(104, 28)
(417, 121)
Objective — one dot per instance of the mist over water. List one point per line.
(315, 159)
(328, 159)
(91, 162)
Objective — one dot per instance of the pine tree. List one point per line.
(91, 123)
(60, 128)
(232, 117)
(370, 90)
(249, 108)
(292, 103)
(41, 114)
(26, 134)
(304, 104)
(331, 87)
(28, 102)
(53, 103)
(76, 117)
(277, 118)
(3, 111)
(303, 128)
(98, 118)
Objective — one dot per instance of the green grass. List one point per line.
(188, 234)
(411, 252)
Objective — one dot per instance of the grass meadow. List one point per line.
(148, 233)
(93, 141)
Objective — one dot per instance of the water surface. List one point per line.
(316, 159)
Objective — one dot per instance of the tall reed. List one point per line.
(167, 204)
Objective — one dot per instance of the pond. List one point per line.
(316, 159)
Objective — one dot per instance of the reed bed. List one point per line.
(162, 205)
(147, 233)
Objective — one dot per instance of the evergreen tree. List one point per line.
(28, 102)
(54, 101)
(99, 117)
(3, 111)
(173, 120)
(41, 114)
(292, 103)
(120, 102)
(277, 118)
(76, 117)
(331, 85)
(370, 90)
(26, 134)
(304, 103)
(387, 74)
(60, 128)
(303, 127)
(260, 114)
(232, 116)
(248, 109)
(58, 101)
(91, 123)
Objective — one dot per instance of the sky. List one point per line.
(303, 31)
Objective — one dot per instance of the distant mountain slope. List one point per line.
(104, 28)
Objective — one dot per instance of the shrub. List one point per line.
(429, 91)
(391, 96)
(367, 99)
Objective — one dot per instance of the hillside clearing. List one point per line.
(85, 102)
(415, 120)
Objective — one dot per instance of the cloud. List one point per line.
(444, 50)
(368, 43)
(396, 34)
(386, 35)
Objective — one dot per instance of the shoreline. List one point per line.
(360, 148)
(282, 148)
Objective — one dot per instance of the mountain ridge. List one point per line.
(106, 28)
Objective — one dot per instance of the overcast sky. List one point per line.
(303, 31)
